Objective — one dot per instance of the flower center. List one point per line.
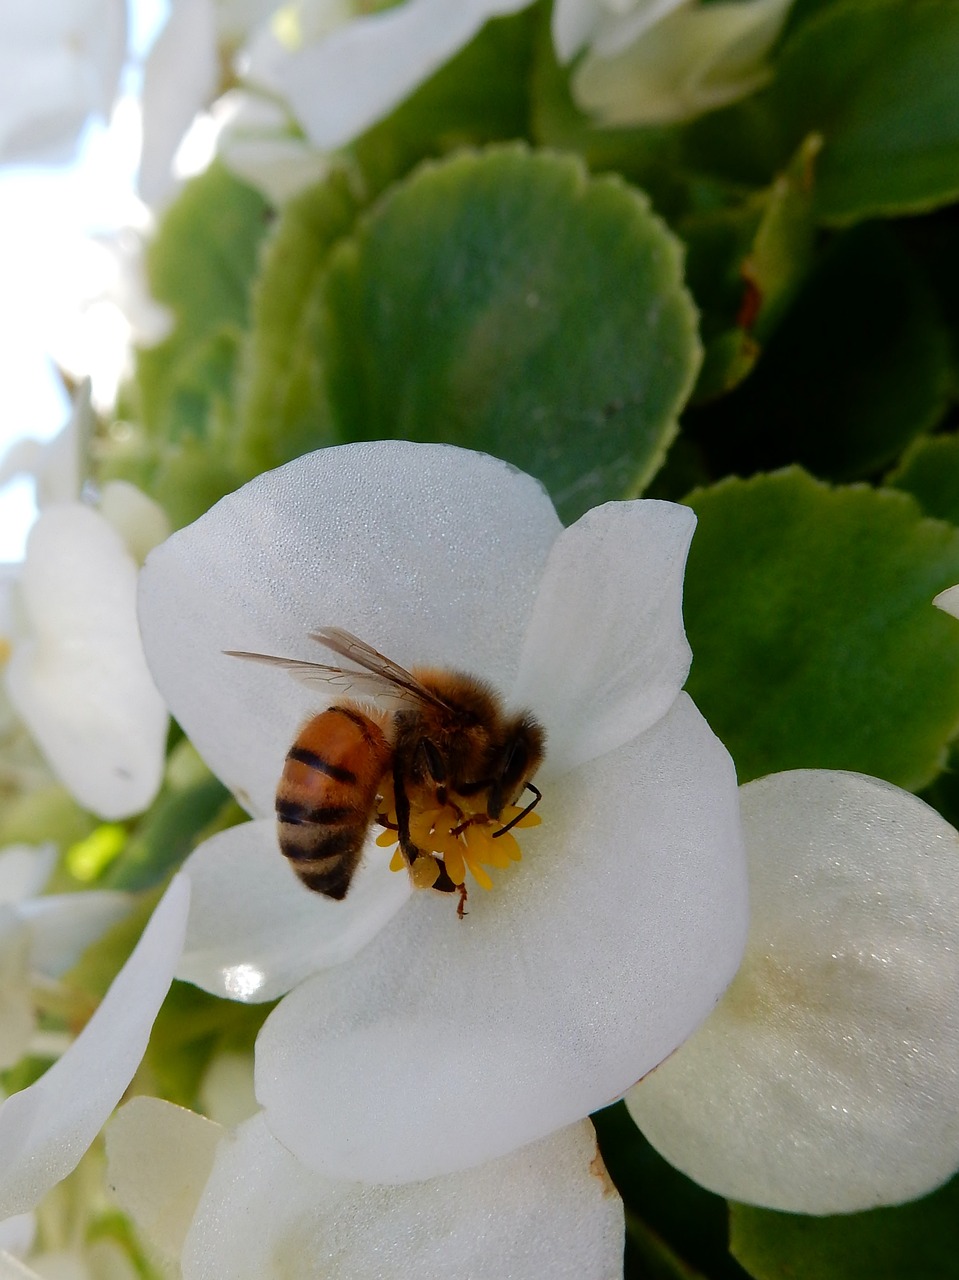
(453, 838)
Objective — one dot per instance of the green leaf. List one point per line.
(200, 265)
(930, 472)
(815, 641)
(166, 834)
(282, 409)
(918, 1240)
(879, 79)
(857, 367)
(505, 301)
(672, 1224)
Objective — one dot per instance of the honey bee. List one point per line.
(450, 740)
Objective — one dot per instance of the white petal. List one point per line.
(693, 60)
(948, 601)
(45, 1129)
(261, 144)
(159, 1157)
(605, 652)
(827, 1081)
(17, 1234)
(606, 24)
(63, 925)
(59, 62)
(340, 86)
(428, 552)
(140, 522)
(255, 930)
(447, 1042)
(24, 870)
(226, 1090)
(179, 78)
(80, 682)
(547, 1210)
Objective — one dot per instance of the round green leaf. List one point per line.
(506, 301)
(815, 642)
(282, 409)
(918, 1240)
(200, 265)
(880, 80)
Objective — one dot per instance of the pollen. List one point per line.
(454, 838)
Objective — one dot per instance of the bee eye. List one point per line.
(516, 762)
(434, 761)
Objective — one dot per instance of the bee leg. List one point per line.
(407, 847)
(461, 908)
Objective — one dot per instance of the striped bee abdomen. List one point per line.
(326, 798)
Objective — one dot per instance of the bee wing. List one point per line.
(362, 684)
(375, 663)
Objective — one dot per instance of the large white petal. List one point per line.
(45, 1129)
(446, 1043)
(547, 1210)
(80, 681)
(431, 553)
(341, 85)
(63, 925)
(255, 930)
(605, 652)
(827, 1081)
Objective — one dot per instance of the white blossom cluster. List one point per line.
(767, 975)
(422, 1086)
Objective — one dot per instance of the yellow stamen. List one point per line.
(456, 838)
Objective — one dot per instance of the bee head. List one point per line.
(518, 757)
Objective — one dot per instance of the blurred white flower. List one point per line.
(663, 61)
(76, 675)
(238, 1206)
(46, 1128)
(444, 1043)
(60, 63)
(41, 937)
(827, 1079)
(72, 1234)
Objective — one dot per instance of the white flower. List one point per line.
(339, 78)
(239, 1206)
(41, 937)
(663, 61)
(60, 63)
(444, 1043)
(76, 674)
(45, 1129)
(827, 1080)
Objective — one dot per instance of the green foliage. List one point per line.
(200, 265)
(930, 472)
(879, 79)
(858, 366)
(507, 302)
(809, 611)
(918, 1240)
(283, 410)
